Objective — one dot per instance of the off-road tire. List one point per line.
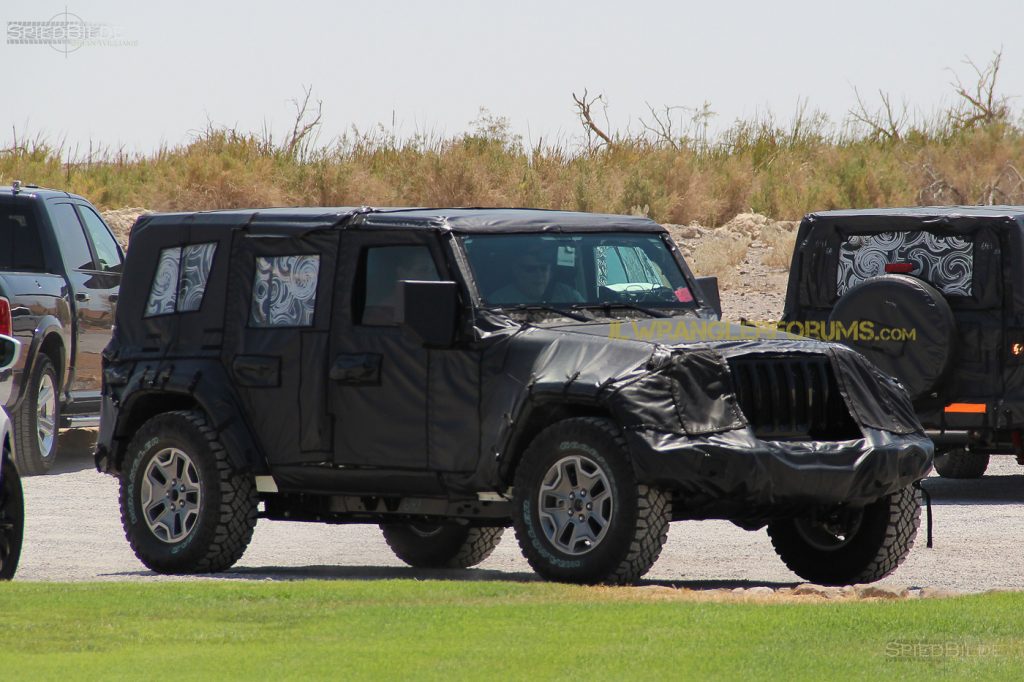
(960, 463)
(440, 545)
(29, 457)
(12, 518)
(883, 540)
(227, 503)
(640, 514)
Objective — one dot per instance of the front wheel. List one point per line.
(851, 546)
(12, 519)
(440, 545)
(183, 507)
(37, 419)
(581, 516)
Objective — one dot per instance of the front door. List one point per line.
(379, 371)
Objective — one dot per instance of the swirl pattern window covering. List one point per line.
(180, 279)
(284, 291)
(947, 263)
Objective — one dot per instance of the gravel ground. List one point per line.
(74, 533)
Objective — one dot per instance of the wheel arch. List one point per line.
(48, 340)
(537, 416)
(141, 406)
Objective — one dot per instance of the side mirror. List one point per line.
(429, 310)
(710, 296)
(10, 347)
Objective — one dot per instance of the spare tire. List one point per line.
(900, 302)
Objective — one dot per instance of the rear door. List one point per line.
(95, 283)
(275, 341)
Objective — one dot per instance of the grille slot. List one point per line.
(791, 397)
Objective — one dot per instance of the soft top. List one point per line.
(467, 220)
(923, 213)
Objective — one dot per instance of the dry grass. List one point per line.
(780, 243)
(960, 155)
(718, 254)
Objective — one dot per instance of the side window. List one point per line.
(106, 248)
(74, 249)
(284, 291)
(180, 279)
(385, 267)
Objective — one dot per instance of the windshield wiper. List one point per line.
(571, 314)
(607, 307)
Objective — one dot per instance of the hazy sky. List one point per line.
(432, 65)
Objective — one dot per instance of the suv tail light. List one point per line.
(6, 324)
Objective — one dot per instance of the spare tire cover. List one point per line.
(900, 302)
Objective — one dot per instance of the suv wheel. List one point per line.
(440, 545)
(183, 507)
(960, 463)
(580, 514)
(12, 518)
(37, 419)
(861, 546)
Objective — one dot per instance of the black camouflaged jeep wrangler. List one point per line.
(933, 296)
(447, 373)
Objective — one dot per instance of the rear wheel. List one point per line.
(580, 514)
(12, 519)
(960, 463)
(36, 420)
(183, 507)
(854, 546)
(440, 545)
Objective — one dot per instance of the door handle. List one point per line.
(356, 369)
(82, 298)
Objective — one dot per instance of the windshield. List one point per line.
(576, 270)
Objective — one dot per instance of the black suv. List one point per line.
(446, 373)
(933, 296)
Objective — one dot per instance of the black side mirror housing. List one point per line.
(709, 293)
(429, 310)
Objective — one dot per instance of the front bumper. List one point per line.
(734, 474)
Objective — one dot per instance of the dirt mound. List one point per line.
(121, 220)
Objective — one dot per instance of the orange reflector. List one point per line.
(966, 408)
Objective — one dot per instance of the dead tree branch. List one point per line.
(583, 110)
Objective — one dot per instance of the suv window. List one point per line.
(180, 279)
(106, 248)
(385, 267)
(74, 248)
(284, 291)
(20, 246)
(945, 262)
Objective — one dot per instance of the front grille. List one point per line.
(791, 397)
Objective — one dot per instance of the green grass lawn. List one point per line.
(486, 630)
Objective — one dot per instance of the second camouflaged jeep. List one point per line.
(446, 373)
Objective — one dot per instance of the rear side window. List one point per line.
(284, 291)
(945, 262)
(74, 248)
(20, 245)
(180, 279)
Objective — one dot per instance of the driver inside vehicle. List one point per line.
(532, 283)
